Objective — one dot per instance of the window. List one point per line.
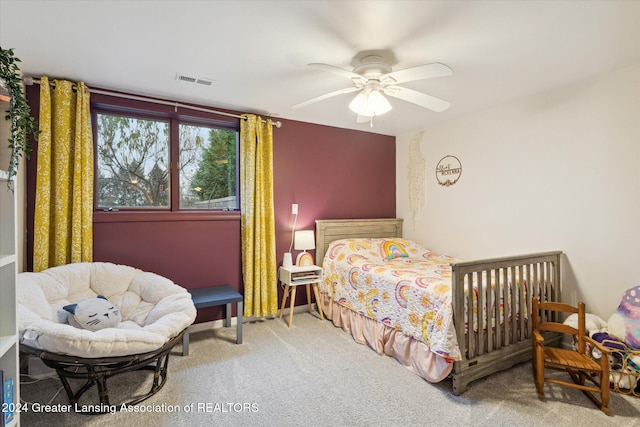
(133, 162)
(207, 168)
(162, 161)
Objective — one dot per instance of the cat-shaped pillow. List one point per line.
(93, 314)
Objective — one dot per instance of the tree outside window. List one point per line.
(133, 164)
(207, 168)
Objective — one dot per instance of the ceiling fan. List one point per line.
(374, 79)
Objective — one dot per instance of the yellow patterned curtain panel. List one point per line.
(63, 228)
(257, 218)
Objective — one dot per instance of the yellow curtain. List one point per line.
(63, 229)
(257, 218)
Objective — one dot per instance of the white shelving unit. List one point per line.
(9, 345)
(9, 359)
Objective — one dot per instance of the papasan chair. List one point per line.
(155, 312)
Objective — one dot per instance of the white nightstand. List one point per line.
(294, 276)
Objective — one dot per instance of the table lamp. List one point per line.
(304, 239)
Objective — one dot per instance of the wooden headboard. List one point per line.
(328, 230)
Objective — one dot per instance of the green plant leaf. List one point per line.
(19, 114)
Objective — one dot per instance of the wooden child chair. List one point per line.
(577, 363)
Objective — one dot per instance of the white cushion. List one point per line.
(153, 308)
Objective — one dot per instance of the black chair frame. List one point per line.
(96, 371)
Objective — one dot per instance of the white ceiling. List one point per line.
(257, 51)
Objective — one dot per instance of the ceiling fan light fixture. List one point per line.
(370, 103)
(374, 80)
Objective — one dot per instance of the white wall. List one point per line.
(556, 171)
(20, 186)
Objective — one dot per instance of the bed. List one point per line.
(417, 306)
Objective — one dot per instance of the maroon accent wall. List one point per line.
(194, 252)
(329, 172)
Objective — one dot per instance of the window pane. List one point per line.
(207, 168)
(133, 162)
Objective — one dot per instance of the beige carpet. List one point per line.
(315, 375)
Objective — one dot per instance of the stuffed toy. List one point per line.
(624, 367)
(593, 323)
(626, 376)
(93, 314)
(611, 342)
(625, 322)
(623, 379)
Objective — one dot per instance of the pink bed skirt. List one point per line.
(413, 355)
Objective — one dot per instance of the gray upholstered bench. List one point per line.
(210, 297)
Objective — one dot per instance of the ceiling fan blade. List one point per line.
(325, 96)
(339, 71)
(428, 71)
(418, 98)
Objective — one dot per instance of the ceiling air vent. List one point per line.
(196, 80)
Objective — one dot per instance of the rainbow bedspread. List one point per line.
(396, 282)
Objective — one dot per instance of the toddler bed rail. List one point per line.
(493, 298)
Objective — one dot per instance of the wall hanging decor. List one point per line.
(448, 171)
(415, 177)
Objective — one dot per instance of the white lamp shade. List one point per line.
(304, 239)
(370, 103)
